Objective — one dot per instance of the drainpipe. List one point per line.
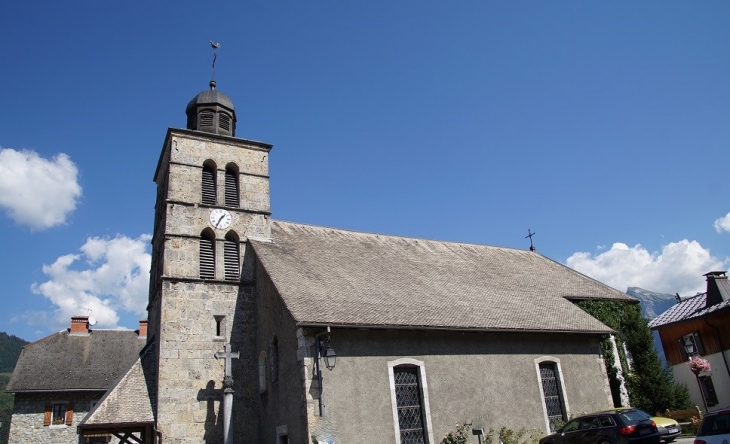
(722, 347)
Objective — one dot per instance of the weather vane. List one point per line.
(215, 56)
(530, 234)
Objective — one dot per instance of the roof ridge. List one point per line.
(395, 236)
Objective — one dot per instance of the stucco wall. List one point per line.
(488, 379)
(720, 380)
(26, 425)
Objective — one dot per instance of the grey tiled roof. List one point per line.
(690, 308)
(337, 277)
(132, 398)
(75, 362)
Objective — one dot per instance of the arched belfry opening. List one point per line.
(212, 112)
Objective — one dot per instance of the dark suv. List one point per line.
(610, 427)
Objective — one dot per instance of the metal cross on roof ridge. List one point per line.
(530, 234)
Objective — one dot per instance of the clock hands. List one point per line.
(219, 220)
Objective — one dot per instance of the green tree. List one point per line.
(651, 387)
(10, 347)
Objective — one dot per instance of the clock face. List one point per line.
(220, 218)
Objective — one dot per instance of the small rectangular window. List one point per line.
(691, 345)
(58, 414)
(219, 325)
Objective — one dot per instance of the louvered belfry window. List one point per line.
(230, 257)
(231, 188)
(206, 118)
(208, 185)
(408, 402)
(553, 394)
(224, 121)
(207, 258)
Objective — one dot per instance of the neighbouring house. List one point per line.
(59, 379)
(700, 326)
(263, 331)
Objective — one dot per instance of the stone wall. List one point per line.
(26, 425)
(190, 378)
(186, 313)
(283, 399)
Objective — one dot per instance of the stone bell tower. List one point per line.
(212, 196)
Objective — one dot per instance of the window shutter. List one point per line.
(680, 343)
(69, 413)
(208, 186)
(708, 389)
(230, 257)
(231, 196)
(47, 414)
(698, 343)
(207, 259)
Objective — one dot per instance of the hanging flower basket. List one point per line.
(699, 365)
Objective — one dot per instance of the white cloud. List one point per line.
(113, 277)
(37, 192)
(678, 268)
(723, 224)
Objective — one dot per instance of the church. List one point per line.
(265, 331)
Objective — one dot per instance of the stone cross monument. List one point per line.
(227, 393)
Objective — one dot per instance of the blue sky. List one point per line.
(604, 127)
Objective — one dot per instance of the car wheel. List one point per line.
(604, 442)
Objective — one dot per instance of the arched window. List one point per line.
(262, 372)
(208, 186)
(409, 397)
(231, 196)
(551, 386)
(231, 256)
(207, 254)
(274, 359)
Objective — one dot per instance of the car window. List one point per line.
(715, 425)
(632, 417)
(589, 423)
(606, 421)
(572, 426)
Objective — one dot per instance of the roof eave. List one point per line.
(10, 390)
(693, 318)
(448, 328)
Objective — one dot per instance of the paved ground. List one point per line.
(684, 440)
